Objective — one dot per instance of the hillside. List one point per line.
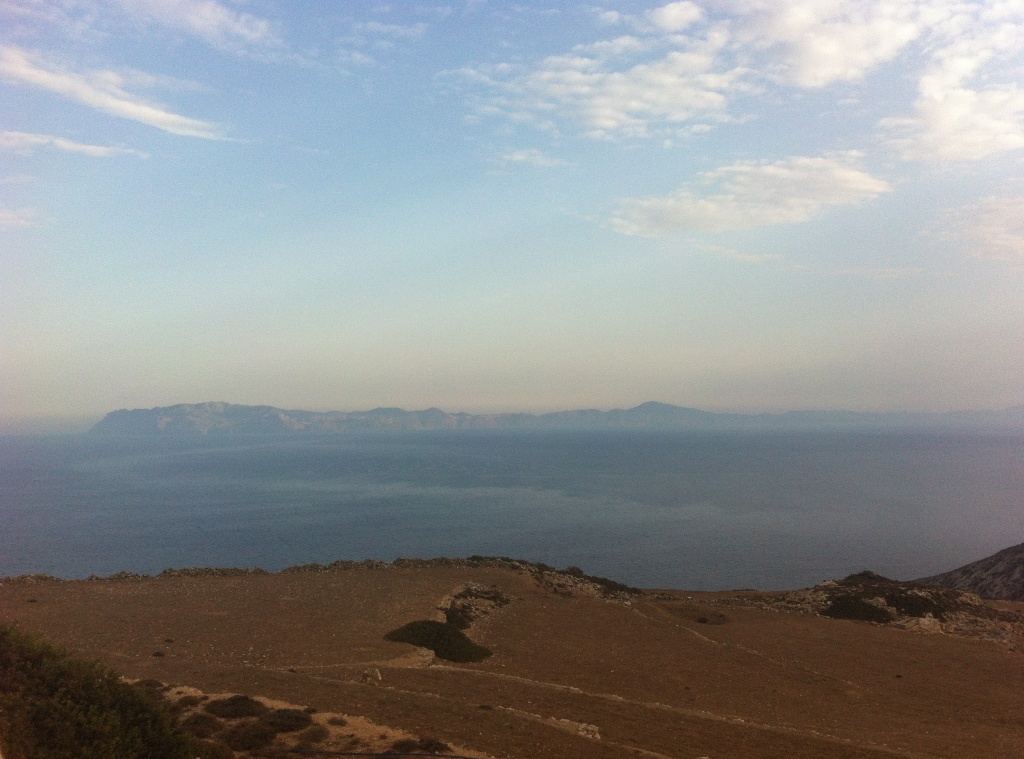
(1000, 576)
(228, 418)
(558, 665)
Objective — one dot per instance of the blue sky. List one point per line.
(733, 204)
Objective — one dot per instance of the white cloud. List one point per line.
(102, 90)
(208, 20)
(675, 17)
(17, 217)
(953, 120)
(747, 258)
(992, 229)
(649, 98)
(752, 194)
(378, 29)
(813, 43)
(25, 142)
(531, 157)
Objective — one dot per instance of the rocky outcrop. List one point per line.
(999, 576)
(868, 597)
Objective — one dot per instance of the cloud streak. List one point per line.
(752, 194)
(101, 90)
(210, 21)
(26, 142)
(17, 218)
(993, 229)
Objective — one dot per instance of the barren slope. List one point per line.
(673, 675)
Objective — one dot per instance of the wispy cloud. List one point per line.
(103, 90)
(25, 142)
(531, 157)
(606, 100)
(753, 194)
(18, 217)
(992, 229)
(210, 21)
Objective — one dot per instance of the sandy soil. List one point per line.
(572, 674)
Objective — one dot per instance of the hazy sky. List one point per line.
(732, 204)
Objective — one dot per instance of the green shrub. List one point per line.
(201, 725)
(854, 607)
(421, 746)
(236, 706)
(213, 750)
(54, 706)
(914, 605)
(249, 735)
(313, 734)
(287, 720)
(447, 641)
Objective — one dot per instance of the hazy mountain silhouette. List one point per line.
(228, 418)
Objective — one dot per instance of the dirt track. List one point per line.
(650, 676)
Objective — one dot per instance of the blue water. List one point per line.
(696, 511)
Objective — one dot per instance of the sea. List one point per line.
(698, 511)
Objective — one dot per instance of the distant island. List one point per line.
(216, 418)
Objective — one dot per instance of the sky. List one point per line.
(742, 205)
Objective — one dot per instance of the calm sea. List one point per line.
(696, 511)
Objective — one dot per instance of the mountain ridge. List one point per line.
(999, 576)
(221, 418)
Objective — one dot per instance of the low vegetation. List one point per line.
(53, 705)
(445, 639)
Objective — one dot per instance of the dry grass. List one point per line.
(570, 676)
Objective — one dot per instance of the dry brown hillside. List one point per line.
(576, 669)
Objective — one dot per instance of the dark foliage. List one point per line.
(249, 735)
(447, 641)
(854, 607)
(421, 746)
(201, 725)
(236, 706)
(287, 720)
(54, 706)
(914, 605)
(213, 750)
(313, 734)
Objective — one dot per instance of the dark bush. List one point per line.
(249, 735)
(236, 706)
(53, 705)
(421, 746)
(854, 607)
(287, 720)
(201, 725)
(313, 734)
(338, 721)
(447, 641)
(914, 605)
(213, 750)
